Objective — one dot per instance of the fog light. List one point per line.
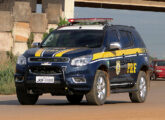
(19, 79)
(159, 71)
(79, 80)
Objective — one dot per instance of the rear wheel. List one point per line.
(98, 93)
(142, 88)
(74, 99)
(24, 98)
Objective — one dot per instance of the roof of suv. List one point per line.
(91, 24)
(82, 27)
(92, 27)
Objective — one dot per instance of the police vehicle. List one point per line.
(86, 57)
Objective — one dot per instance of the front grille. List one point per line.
(60, 59)
(46, 70)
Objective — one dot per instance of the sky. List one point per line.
(150, 25)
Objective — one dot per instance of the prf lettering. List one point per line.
(131, 68)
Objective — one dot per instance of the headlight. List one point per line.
(158, 70)
(81, 61)
(21, 60)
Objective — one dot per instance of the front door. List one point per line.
(117, 65)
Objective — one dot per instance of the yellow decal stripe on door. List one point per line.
(117, 53)
(103, 55)
(129, 51)
(60, 54)
(39, 52)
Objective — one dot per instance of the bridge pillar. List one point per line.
(69, 9)
(54, 12)
(7, 5)
(58, 8)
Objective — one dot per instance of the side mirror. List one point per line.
(115, 46)
(35, 44)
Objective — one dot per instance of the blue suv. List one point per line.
(87, 57)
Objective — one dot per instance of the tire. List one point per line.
(98, 93)
(24, 98)
(153, 77)
(142, 88)
(74, 99)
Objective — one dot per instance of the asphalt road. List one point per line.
(117, 107)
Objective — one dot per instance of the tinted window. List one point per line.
(126, 39)
(74, 38)
(139, 40)
(113, 36)
(161, 63)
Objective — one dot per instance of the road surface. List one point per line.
(117, 107)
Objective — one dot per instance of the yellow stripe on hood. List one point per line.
(60, 54)
(39, 52)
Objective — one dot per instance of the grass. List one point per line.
(7, 70)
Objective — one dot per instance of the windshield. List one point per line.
(161, 63)
(74, 38)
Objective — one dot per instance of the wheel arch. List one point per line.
(145, 68)
(104, 68)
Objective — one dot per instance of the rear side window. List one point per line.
(126, 39)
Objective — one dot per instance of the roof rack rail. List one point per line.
(124, 26)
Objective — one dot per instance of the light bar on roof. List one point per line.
(90, 20)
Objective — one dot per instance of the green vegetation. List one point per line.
(7, 70)
(46, 34)
(63, 22)
(30, 40)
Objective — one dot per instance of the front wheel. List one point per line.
(154, 77)
(142, 88)
(98, 93)
(24, 98)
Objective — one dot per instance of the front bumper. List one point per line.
(160, 75)
(64, 82)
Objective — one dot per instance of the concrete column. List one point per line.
(20, 33)
(69, 9)
(6, 21)
(22, 11)
(54, 12)
(46, 2)
(6, 5)
(32, 4)
(38, 22)
(6, 41)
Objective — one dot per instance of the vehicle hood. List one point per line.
(58, 52)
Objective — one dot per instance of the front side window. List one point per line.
(113, 36)
(74, 38)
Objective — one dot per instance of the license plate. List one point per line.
(44, 79)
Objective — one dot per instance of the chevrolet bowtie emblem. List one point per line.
(46, 64)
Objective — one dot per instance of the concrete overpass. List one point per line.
(143, 5)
